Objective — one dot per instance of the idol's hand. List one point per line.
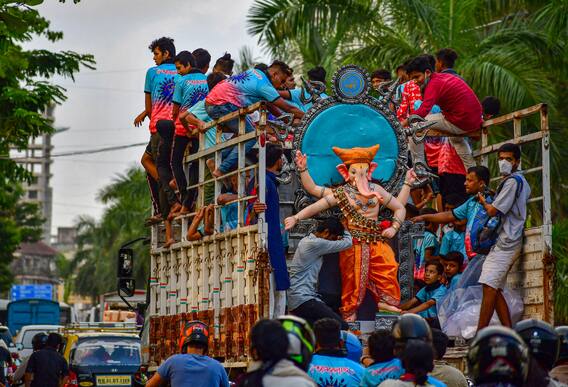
(301, 160)
(389, 233)
(290, 222)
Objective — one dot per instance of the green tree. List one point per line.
(128, 204)
(19, 222)
(25, 92)
(246, 59)
(514, 50)
(499, 53)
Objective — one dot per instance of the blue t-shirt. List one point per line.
(453, 284)
(295, 99)
(190, 89)
(335, 371)
(230, 216)
(377, 373)
(430, 240)
(468, 210)
(425, 295)
(194, 371)
(453, 241)
(198, 110)
(160, 84)
(243, 89)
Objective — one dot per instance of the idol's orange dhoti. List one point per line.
(368, 266)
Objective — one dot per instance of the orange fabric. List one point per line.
(369, 266)
(356, 155)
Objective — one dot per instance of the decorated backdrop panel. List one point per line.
(347, 126)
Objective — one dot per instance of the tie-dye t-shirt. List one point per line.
(160, 85)
(190, 89)
(243, 89)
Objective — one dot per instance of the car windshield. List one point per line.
(102, 351)
(29, 336)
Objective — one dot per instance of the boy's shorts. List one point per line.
(152, 147)
(497, 265)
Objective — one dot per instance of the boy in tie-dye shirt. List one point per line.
(243, 90)
(190, 88)
(158, 89)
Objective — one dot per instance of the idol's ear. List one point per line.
(343, 171)
(372, 167)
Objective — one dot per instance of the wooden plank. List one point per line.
(215, 148)
(531, 137)
(241, 112)
(517, 114)
(182, 287)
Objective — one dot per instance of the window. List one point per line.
(103, 351)
(32, 194)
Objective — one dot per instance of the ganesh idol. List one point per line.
(369, 265)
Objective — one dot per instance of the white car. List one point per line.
(27, 333)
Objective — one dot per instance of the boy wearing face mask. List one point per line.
(511, 204)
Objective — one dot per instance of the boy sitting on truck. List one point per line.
(196, 230)
(425, 301)
(452, 262)
(454, 231)
(427, 248)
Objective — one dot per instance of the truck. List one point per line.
(223, 279)
(32, 311)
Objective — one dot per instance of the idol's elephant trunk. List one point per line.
(362, 183)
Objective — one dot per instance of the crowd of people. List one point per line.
(473, 234)
(288, 352)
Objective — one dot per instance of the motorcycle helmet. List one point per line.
(302, 340)
(352, 346)
(39, 341)
(194, 332)
(542, 340)
(498, 355)
(411, 326)
(562, 332)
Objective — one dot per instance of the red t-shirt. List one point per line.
(457, 100)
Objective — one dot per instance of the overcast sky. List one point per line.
(102, 104)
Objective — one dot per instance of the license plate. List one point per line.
(113, 380)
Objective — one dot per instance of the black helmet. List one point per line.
(498, 355)
(411, 326)
(562, 333)
(542, 340)
(39, 341)
(302, 340)
(194, 332)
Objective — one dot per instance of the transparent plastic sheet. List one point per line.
(472, 272)
(459, 311)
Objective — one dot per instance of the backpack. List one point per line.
(485, 229)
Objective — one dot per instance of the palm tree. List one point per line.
(246, 60)
(306, 33)
(128, 205)
(499, 55)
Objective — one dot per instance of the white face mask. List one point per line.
(505, 167)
